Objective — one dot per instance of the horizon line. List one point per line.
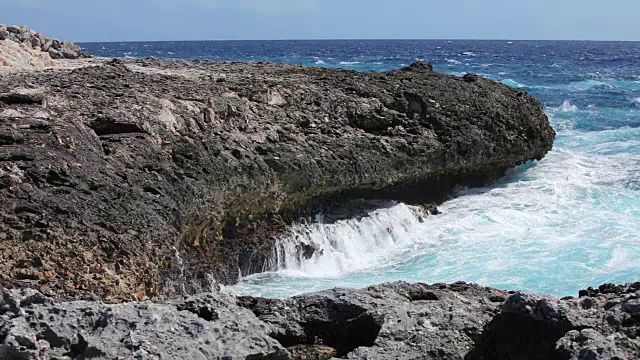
(346, 39)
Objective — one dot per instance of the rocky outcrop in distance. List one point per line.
(391, 321)
(132, 179)
(24, 48)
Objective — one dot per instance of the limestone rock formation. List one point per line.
(138, 178)
(391, 321)
(206, 327)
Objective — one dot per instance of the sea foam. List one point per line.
(547, 227)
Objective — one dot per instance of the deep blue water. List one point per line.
(555, 226)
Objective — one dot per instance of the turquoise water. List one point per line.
(555, 226)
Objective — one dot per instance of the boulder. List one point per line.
(70, 50)
(25, 38)
(55, 54)
(45, 48)
(15, 29)
(419, 66)
(47, 43)
(36, 40)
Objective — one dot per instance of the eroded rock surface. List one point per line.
(457, 321)
(136, 178)
(389, 321)
(209, 326)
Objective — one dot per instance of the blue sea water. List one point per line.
(555, 226)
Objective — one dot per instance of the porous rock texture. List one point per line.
(390, 321)
(130, 179)
(21, 48)
(210, 326)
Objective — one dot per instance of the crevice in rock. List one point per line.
(3, 332)
(81, 350)
(104, 127)
(343, 327)
(204, 312)
(52, 338)
(22, 99)
(420, 294)
(510, 336)
(78, 348)
(345, 336)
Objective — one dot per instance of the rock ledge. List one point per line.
(131, 179)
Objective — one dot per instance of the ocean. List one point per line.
(555, 226)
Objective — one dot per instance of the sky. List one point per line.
(121, 20)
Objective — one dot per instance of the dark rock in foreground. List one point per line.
(391, 321)
(107, 172)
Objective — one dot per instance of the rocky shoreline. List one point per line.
(134, 179)
(389, 321)
(128, 186)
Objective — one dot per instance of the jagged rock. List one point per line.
(25, 38)
(589, 344)
(70, 50)
(470, 77)
(55, 54)
(16, 55)
(47, 45)
(36, 42)
(383, 322)
(141, 156)
(33, 327)
(24, 48)
(419, 66)
(390, 321)
(15, 29)
(458, 321)
(588, 328)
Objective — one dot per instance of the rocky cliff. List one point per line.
(24, 48)
(137, 178)
(391, 321)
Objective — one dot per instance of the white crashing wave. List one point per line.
(349, 62)
(513, 83)
(588, 85)
(568, 107)
(454, 61)
(571, 219)
(347, 246)
(319, 62)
